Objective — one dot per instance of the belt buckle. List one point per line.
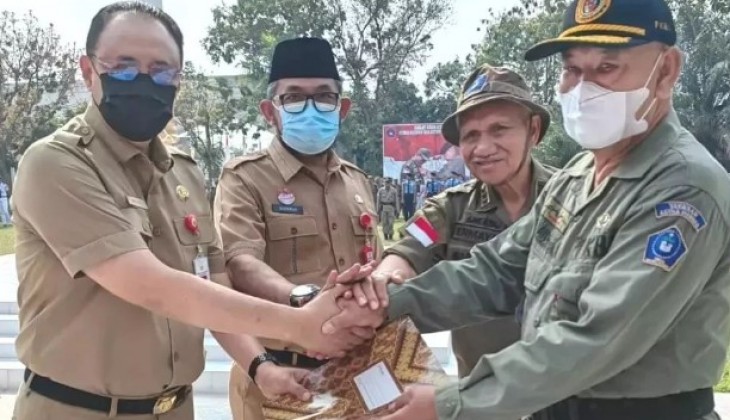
(165, 403)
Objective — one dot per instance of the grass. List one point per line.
(724, 384)
(7, 240)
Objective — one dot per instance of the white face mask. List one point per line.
(597, 118)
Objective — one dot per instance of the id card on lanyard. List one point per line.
(201, 268)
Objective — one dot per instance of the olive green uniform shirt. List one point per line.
(626, 284)
(464, 216)
(85, 195)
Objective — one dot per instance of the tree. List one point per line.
(702, 97)
(37, 73)
(376, 43)
(207, 109)
(508, 34)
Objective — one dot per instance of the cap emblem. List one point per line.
(477, 86)
(590, 10)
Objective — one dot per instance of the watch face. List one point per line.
(300, 295)
(304, 290)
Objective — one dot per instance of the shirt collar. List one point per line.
(121, 148)
(489, 199)
(288, 165)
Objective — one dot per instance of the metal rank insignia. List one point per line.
(182, 193)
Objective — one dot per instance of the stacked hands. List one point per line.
(345, 314)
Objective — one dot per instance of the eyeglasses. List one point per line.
(295, 103)
(128, 70)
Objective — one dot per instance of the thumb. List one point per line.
(397, 277)
(294, 384)
(334, 324)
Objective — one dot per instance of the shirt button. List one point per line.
(294, 231)
(334, 226)
(536, 323)
(157, 231)
(341, 261)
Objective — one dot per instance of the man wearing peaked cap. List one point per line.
(294, 212)
(624, 258)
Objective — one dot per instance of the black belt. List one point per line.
(82, 399)
(293, 359)
(691, 405)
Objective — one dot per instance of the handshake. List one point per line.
(346, 313)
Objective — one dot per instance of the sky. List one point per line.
(72, 17)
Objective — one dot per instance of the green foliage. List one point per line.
(376, 44)
(507, 35)
(207, 109)
(702, 98)
(36, 76)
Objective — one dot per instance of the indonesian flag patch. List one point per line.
(424, 231)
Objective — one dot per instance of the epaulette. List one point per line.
(74, 133)
(251, 157)
(352, 165)
(174, 151)
(465, 188)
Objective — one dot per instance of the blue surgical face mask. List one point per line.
(310, 132)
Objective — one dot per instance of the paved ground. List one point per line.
(216, 408)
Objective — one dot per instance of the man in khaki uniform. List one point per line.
(119, 264)
(479, 210)
(388, 207)
(624, 259)
(294, 212)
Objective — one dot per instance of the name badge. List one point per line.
(201, 268)
(284, 209)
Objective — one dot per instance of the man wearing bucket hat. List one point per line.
(624, 259)
(496, 125)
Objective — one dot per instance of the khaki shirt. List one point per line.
(83, 196)
(270, 206)
(387, 196)
(464, 216)
(627, 285)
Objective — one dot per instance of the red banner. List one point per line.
(421, 151)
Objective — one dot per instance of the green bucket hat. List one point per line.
(488, 84)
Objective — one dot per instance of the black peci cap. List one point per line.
(303, 58)
(610, 23)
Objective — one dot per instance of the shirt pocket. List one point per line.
(555, 295)
(292, 245)
(204, 235)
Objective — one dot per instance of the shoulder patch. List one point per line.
(681, 209)
(665, 248)
(252, 157)
(174, 151)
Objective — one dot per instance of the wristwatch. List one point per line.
(258, 361)
(302, 294)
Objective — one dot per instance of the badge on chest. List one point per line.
(286, 203)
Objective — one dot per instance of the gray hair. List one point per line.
(271, 89)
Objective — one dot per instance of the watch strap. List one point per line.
(258, 361)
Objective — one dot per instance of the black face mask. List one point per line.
(137, 109)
